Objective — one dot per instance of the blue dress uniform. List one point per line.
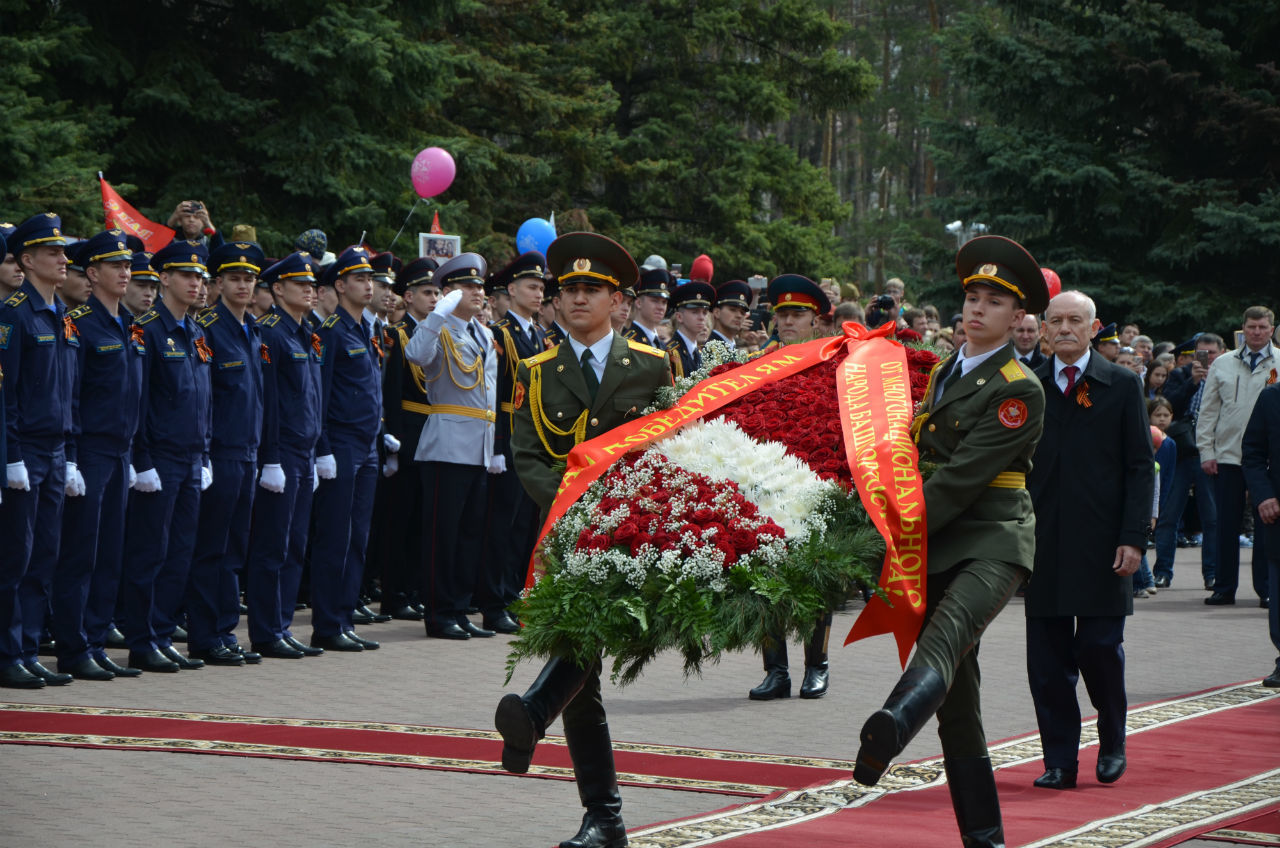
(511, 516)
(653, 282)
(351, 397)
(683, 351)
(226, 507)
(86, 583)
(290, 429)
(173, 439)
(38, 349)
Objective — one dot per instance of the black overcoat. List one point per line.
(1091, 484)
(1262, 460)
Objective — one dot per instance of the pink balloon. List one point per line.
(432, 171)
(1052, 282)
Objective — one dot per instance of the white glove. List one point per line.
(391, 466)
(206, 477)
(148, 481)
(133, 476)
(17, 476)
(448, 303)
(498, 464)
(315, 478)
(272, 478)
(391, 443)
(327, 467)
(75, 481)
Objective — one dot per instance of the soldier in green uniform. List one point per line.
(980, 421)
(591, 382)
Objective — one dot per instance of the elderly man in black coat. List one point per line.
(1261, 462)
(1091, 485)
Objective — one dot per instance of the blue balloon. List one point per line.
(535, 234)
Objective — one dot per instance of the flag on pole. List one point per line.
(435, 225)
(121, 214)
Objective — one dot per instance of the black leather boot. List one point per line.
(777, 682)
(591, 750)
(977, 806)
(523, 720)
(815, 660)
(917, 696)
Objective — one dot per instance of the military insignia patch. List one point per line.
(582, 265)
(6, 332)
(519, 398)
(1012, 414)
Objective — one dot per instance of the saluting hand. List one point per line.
(448, 303)
(1128, 558)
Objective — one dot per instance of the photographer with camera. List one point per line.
(883, 309)
(190, 220)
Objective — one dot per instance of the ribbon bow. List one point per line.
(136, 335)
(203, 350)
(69, 328)
(315, 343)
(266, 353)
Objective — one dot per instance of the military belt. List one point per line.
(1009, 480)
(508, 406)
(411, 406)
(466, 411)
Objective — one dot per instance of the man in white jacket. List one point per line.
(1232, 387)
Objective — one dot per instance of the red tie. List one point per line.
(1071, 371)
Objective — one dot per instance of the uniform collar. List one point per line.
(1081, 363)
(525, 323)
(599, 350)
(37, 300)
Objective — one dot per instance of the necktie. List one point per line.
(1254, 356)
(589, 374)
(697, 358)
(471, 328)
(952, 378)
(1071, 371)
(533, 338)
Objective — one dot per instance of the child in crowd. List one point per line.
(1160, 414)
(1157, 374)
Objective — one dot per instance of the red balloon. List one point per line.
(1157, 437)
(1052, 281)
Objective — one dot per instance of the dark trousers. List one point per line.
(1061, 650)
(87, 579)
(30, 534)
(277, 545)
(510, 532)
(1228, 491)
(1186, 473)
(453, 497)
(343, 510)
(1273, 610)
(402, 566)
(222, 541)
(160, 536)
(961, 602)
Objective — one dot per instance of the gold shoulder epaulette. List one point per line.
(641, 347)
(1013, 370)
(207, 317)
(269, 320)
(146, 317)
(399, 325)
(17, 299)
(79, 312)
(539, 358)
(504, 321)
(330, 321)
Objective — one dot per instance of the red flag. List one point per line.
(121, 214)
(435, 225)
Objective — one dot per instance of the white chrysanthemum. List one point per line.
(783, 487)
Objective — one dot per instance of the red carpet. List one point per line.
(1195, 765)
(412, 746)
(1259, 830)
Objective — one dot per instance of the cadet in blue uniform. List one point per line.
(730, 311)
(511, 516)
(652, 293)
(404, 414)
(291, 426)
(347, 456)
(690, 304)
(86, 583)
(38, 348)
(170, 453)
(226, 508)
(455, 351)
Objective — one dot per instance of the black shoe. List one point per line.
(278, 650)
(184, 663)
(1163, 582)
(599, 830)
(179, 635)
(367, 644)
(250, 657)
(1057, 778)
(519, 733)
(1265, 603)
(1272, 682)
(363, 615)
(218, 655)
(50, 678)
(152, 661)
(47, 647)
(1220, 599)
(115, 639)
(815, 681)
(86, 669)
(1208, 585)
(307, 650)
(914, 700)
(472, 630)
(407, 612)
(420, 607)
(299, 606)
(447, 631)
(105, 662)
(337, 642)
(501, 623)
(244, 610)
(1111, 766)
(973, 797)
(16, 676)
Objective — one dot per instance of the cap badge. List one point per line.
(195, 258)
(55, 232)
(242, 246)
(242, 259)
(988, 270)
(582, 265)
(119, 245)
(50, 215)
